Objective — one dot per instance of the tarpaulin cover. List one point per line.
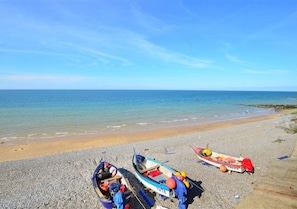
(181, 193)
(155, 173)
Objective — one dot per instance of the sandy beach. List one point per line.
(57, 174)
(17, 151)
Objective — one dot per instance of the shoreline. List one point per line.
(57, 146)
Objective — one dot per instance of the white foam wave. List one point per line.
(142, 124)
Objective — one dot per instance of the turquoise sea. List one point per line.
(30, 115)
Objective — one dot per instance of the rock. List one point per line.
(288, 122)
(278, 140)
(274, 106)
(292, 129)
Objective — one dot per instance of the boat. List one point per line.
(155, 175)
(110, 185)
(223, 161)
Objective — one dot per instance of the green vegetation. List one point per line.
(274, 106)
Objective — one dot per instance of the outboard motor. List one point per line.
(247, 165)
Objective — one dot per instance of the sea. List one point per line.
(35, 115)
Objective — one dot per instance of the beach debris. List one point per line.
(283, 157)
(167, 152)
(1, 142)
(237, 197)
(279, 140)
(94, 162)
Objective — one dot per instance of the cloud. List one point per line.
(101, 43)
(36, 52)
(275, 29)
(169, 56)
(234, 59)
(94, 52)
(148, 22)
(266, 72)
(52, 78)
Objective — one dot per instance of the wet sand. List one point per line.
(56, 146)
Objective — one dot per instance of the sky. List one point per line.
(149, 44)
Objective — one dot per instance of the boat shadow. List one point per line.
(135, 186)
(138, 201)
(195, 191)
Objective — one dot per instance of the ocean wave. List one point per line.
(142, 124)
(116, 126)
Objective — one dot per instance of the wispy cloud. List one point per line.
(30, 51)
(104, 45)
(266, 72)
(40, 77)
(102, 56)
(148, 22)
(187, 10)
(234, 59)
(169, 56)
(275, 27)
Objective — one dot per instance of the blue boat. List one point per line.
(153, 174)
(110, 184)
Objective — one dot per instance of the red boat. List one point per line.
(224, 162)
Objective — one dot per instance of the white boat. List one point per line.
(153, 174)
(223, 161)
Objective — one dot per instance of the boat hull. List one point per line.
(231, 163)
(103, 196)
(156, 183)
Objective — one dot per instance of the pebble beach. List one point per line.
(63, 180)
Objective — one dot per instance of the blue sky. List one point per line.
(149, 44)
